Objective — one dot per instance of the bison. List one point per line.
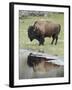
(42, 29)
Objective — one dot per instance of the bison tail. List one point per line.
(59, 28)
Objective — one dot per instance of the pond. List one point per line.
(44, 69)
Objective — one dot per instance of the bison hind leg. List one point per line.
(56, 40)
(53, 38)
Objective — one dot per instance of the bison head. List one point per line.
(31, 33)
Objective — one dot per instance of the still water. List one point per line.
(26, 72)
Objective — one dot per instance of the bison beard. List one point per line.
(43, 29)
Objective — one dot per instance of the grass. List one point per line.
(25, 43)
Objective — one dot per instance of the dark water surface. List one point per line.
(26, 72)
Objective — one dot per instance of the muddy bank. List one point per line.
(53, 68)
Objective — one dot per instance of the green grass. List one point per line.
(24, 41)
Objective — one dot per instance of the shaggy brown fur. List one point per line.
(42, 29)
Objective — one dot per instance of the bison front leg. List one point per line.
(41, 41)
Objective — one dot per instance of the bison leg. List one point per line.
(53, 40)
(56, 40)
(41, 41)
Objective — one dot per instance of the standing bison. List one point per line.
(43, 29)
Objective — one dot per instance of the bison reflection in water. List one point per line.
(42, 29)
(42, 65)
